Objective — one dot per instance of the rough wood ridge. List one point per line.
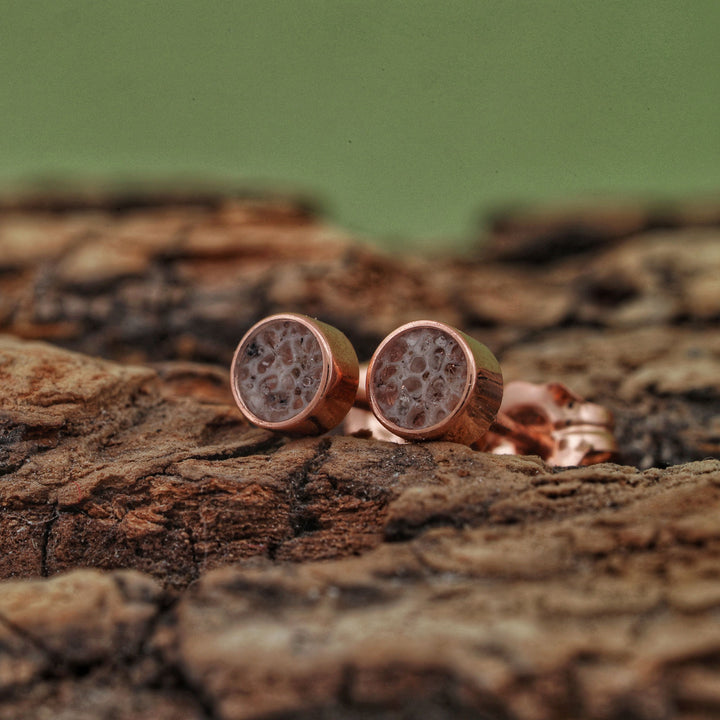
(163, 559)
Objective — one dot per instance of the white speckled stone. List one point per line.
(419, 377)
(279, 370)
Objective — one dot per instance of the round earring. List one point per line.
(294, 374)
(430, 381)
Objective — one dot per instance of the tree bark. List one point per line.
(164, 559)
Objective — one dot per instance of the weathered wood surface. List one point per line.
(200, 568)
(630, 322)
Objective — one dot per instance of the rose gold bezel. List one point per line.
(336, 390)
(446, 426)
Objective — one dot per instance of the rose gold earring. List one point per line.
(545, 419)
(430, 381)
(551, 421)
(294, 374)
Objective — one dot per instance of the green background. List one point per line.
(405, 119)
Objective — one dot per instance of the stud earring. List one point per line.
(553, 422)
(429, 381)
(294, 374)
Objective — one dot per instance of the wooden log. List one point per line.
(163, 559)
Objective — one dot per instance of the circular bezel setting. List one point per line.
(294, 374)
(428, 380)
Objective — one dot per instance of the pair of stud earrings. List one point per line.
(426, 381)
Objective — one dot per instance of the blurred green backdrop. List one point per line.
(404, 119)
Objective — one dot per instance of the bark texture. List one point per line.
(163, 559)
(623, 305)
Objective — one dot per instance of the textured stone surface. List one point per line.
(163, 559)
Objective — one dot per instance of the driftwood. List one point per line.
(163, 559)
